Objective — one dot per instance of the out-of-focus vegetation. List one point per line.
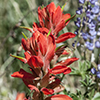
(14, 13)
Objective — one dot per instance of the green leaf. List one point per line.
(27, 28)
(87, 79)
(70, 18)
(63, 7)
(24, 35)
(18, 57)
(97, 96)
(74, 96)
(49, 32)
(83, 83)
(60, 47)
(92, 93)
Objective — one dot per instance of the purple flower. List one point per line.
(93, 1)
(76, 32)
(98, 33)
(92, 16)
(91, 46)
(77, 23)
(88, 13)
(81, 1)
(98, 18)
(87, 43)
(85, 36)
(98, 67)
(92, 32)
(95, 9)
(79, 11)
(98, 74)
(97, 44)
(92, 24)
(89, 7)
(78, 44)
(93, 70)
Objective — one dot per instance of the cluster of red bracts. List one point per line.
(40, 50)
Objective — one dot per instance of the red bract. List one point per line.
(60, 69)
(59, 97)
(20, 96)
(52, 17)
(64, 37)
(67, 61)
(25, 76)
(47, 91)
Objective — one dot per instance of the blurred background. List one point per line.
(14, 13)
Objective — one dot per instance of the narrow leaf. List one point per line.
(49, 32)
(20, 58)
(70, 18)
(24, 35)
(27, 28)
(63, 7)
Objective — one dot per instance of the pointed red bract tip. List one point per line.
(59, 97)
(47, 91)
(64, 37)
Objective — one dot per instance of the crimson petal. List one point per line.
(60, 69)
(68, 61)
(23, 75)
(35, 61)
(47, 91)
(65, 36)
(59, 97)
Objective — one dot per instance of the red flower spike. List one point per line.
(59, 97)
(65, 36)
(60, 69)
(53, 18)
(47, 91)
(35, 61)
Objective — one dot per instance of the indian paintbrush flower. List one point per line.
(40, 49)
